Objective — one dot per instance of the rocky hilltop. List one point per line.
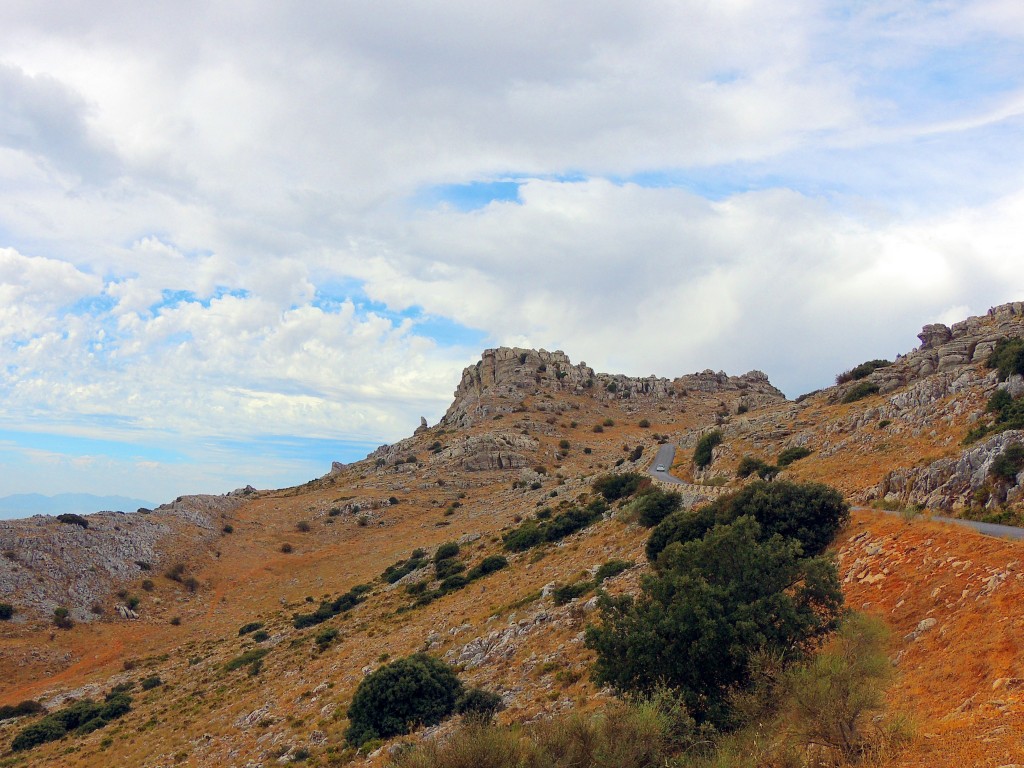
(503, 376)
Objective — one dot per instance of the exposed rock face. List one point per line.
(48, 564)
(953, 484)
(494, 451)
(949, 348)
(504, 376)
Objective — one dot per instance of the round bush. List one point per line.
(416, 690)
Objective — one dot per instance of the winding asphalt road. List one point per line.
(667, 454)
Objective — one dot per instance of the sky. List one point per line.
(239, 241)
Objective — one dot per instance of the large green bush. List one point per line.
(655, 505)
(619, 486)
(704, 451)
(712, 605)
(811, 513)
(416, 690)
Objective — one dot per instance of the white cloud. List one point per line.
(211, 223)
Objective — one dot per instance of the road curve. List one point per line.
(664, 458)
(667, 454)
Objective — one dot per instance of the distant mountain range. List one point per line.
(28, 504)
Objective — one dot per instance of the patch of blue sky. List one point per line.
(93, 306)
(444, 331)
(171, 298)
(713, 183)
(949, 82)
(470, 196)
(74, 446)
(320, 451)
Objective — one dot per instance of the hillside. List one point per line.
(527, 431)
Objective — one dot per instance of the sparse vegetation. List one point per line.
(72, 519)
(1008, 464)
(749, 465)
(21, 709)
(251, 658)
(6, 611)
(252, 626)
(62, 618)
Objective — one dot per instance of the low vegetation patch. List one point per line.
(620, 486)
(791, 454)
(749, 465)
(859, 391)
(861, 371)
(1007, 358)
(328, 609)
(80, 718)
(402, 568)
(534, 532)
(21, 709)
(72, 519)
(251, 658)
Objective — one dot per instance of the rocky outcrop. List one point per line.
(945, 349)
(501, 450)
(955, 483)
(501, 379)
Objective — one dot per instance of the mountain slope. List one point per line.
(527, 431)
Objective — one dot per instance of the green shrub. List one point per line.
(62, 618)
(703, 453)
(447, 550)
(859, 391)
(251, 657)
(643, 424)
(416, 690)
(573, 519)
(832, 696)
(487, 566)
(302, 526)
(6, 611)
(861, 371)
(526, 536)
(568, 592)
(749, 465)
(791, 454)
(811, 513)
(1007, 357)
(260, 636)
(325, 637)
(27, 707)
(151, 682)
(619, 486)
(449, 567)
(73, 519)
(611, 569)
(452, 584)
(478, 704)
(252, 626)
(654, 506)
(37, 733)
(713, 605)
(81, 717)
(402, 568)
(328, 609)
(1008, 464)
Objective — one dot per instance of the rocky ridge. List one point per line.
(48, 564)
